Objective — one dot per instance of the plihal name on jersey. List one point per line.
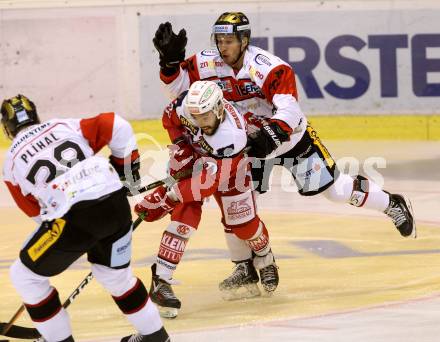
(37, 146)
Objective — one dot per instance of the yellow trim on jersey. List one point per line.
(316, 141)
(46, 240)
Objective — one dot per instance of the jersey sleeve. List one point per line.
(27, 203)
(280, 89)
(172, 123)
(182, 79)
(111, 130)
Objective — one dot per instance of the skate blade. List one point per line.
(242, 292)
(166, 312)
(414, 231)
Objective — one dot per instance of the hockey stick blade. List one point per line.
(20, 332)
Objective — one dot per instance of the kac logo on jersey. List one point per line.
(239, 209)
(262, 59)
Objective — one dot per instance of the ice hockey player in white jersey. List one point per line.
(79, 202)
(207, 130)
(263, 88)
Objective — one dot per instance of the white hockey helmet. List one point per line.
(204, 96)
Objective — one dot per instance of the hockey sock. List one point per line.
(172, 247)
(238, 249)
(50, 319)
(359, 192)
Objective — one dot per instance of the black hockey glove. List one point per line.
(171, 47)
(128, 171)
(266, 140)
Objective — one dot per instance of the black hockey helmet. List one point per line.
(17, 113)
(232, 23)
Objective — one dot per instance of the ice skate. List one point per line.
(242, 283)
(268, 272)
(400, 211)
(162, 294)
(158, 336)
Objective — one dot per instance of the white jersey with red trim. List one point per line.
(53, 162)
(229, 139)
(265, 86)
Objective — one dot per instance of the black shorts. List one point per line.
(309, 162)
(101, 228)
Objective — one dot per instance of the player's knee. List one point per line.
(340, 190)
(31, 286)
(132, 300)
(115, 281)
(247, 230)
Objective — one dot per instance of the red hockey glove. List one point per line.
(182, 157)
(155, 205)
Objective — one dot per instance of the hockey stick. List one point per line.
(11, 330)
(170, 180)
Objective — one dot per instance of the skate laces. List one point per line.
(240, 271)
(269, 274)
(396, 213)
(136, 338)
(165, 289)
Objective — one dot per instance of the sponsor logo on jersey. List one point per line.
(255, 73)
(262, 59)
(249, 88)
(239, 209)
(225, 85)
(211, 64)
(46, 240)
(29, 134)
(209, 52)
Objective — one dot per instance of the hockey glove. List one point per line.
(128, 169)
(182, 157)
(171, 47)
(155, 205)
(266, 140)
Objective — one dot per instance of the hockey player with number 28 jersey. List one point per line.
(80, 203)
(207, 130)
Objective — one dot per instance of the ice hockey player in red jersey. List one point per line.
(207, 130)
(80, 205)
(262, 87)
